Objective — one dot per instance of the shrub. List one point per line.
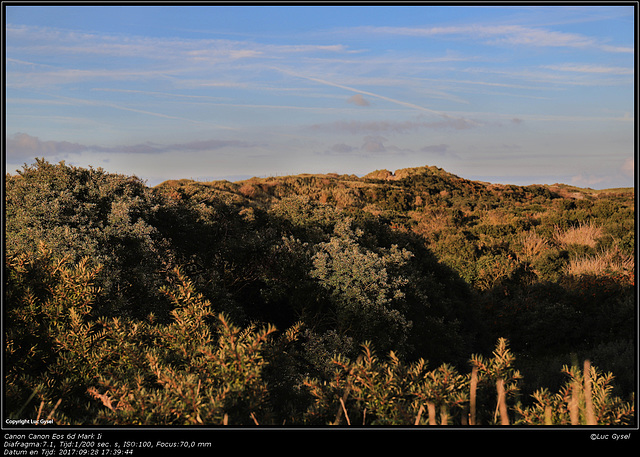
(90, 213)
(102, 329)
(551, 264)
(585, 399)
(371, 391)
(365, 287)
(50, 339)
(194, 370)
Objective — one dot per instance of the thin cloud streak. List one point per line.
(204, 98)
(371, 94)
(355, 127)
(61, 41)
(500, 35)
(488, 83)
(23, 145)
(578, 68)
(135, 110)
(554, 78)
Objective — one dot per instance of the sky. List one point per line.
(506, 94)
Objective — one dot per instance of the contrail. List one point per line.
(150, 113)
(236, 105)
(371, 94)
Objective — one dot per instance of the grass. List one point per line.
(586, 234)
(610, 261)
(533, 245)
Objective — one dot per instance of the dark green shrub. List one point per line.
(550, 265)
(365, 287)
(50, 340)
(90, 213)
(102, 329)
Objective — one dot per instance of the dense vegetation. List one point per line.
(414, 297)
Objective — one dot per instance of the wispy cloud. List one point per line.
(622, 49)
(69, 76)
(370, 146)
(374, 144)
(454, 119)
(512, 35)
(342, 148)
(140, 111)
(586, 68)
(47, 41)
(628, 167)
(359, 100)
(378, 146)
(214, 101)
(359, 127)
(587, 180)
(157, 94)
(489, 83)
(24, 146)
(556, 77)
(441, 150)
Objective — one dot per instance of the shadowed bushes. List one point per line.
(249, 303)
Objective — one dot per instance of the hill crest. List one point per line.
(428, 178)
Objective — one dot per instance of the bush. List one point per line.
(194, 370)
(551, 264)
(371, 391)
(365, 287)
(127, 304)
(50, 341)
(89, 213)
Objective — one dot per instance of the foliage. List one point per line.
(201, 369)
(192, 371)
(365, 287)
(48, 341)
(585, 399)
(370, 391)
(247, 303)
(88, 213)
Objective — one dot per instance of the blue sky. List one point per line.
(513, 94)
